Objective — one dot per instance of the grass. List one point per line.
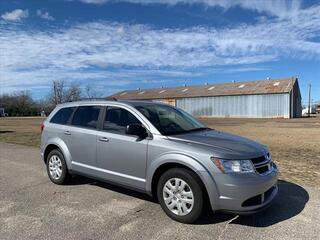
(21, 130)
(294, 143)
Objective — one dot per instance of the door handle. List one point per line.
(104, 139)
(67, 132)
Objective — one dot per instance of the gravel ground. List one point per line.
(31, 207)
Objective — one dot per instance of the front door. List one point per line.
(121, 157)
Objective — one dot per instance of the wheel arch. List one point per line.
(57, 143)
(178, 161)
(47, 150)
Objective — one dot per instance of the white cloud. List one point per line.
(280, 8)
(16, 15)
(117, 54)
(44, 15)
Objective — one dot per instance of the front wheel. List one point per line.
(180, 194)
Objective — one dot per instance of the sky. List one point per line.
(115, 45)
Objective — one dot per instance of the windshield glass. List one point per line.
(169, 120)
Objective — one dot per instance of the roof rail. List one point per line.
(95, 99)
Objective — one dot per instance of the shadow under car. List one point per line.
(289, 202)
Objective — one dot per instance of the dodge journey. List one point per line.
(162, 151)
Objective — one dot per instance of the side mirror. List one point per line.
(136, 130)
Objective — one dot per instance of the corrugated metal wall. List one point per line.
(254, 106)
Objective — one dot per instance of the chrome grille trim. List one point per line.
(263, 164)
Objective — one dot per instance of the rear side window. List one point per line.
(86, 116)
(62, 116)
(117, 119)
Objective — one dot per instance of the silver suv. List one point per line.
(162, 151)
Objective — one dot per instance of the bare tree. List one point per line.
(58, 91)
(91, 93)
(73, 93)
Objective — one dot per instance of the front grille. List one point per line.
(259, 199)
(268, 193)
(263, 169)
(261, 164)
(258, 160)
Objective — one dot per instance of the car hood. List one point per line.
(223, 145)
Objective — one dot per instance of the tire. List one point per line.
(182, 208)
(56, 164)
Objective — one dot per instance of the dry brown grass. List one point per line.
(21, 130)
(294, 143)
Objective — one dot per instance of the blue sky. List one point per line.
(116, 45)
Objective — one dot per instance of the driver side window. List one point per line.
(116, 120)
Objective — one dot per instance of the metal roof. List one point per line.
(211, 90)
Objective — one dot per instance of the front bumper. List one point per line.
(245, 193)
(261, 208)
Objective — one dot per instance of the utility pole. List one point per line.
(309, 105)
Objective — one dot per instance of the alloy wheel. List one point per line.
(55, 167)
(178, 196)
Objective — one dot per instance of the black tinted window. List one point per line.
(86, 116)
(117, 119)
(62, 116)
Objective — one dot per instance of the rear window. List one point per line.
(62, 116)
(86, 116)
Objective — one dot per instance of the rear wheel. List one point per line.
(57, 167)
(180, 194)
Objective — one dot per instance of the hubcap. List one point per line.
(178, 196)
(55, 167)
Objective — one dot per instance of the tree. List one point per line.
(19, 104)
(91, 93)
(73, 93)
(60, 93)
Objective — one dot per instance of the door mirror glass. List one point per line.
(137, 130)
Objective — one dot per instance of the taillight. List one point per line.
(42, 127)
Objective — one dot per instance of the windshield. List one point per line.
(169, 120)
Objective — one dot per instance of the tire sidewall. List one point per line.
(195, 184)
(64, 174)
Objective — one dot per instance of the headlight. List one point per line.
(233, 166)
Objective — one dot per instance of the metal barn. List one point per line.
(279, 98)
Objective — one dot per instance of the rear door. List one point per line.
(58, 126)
(121, 157)
(82, 134)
